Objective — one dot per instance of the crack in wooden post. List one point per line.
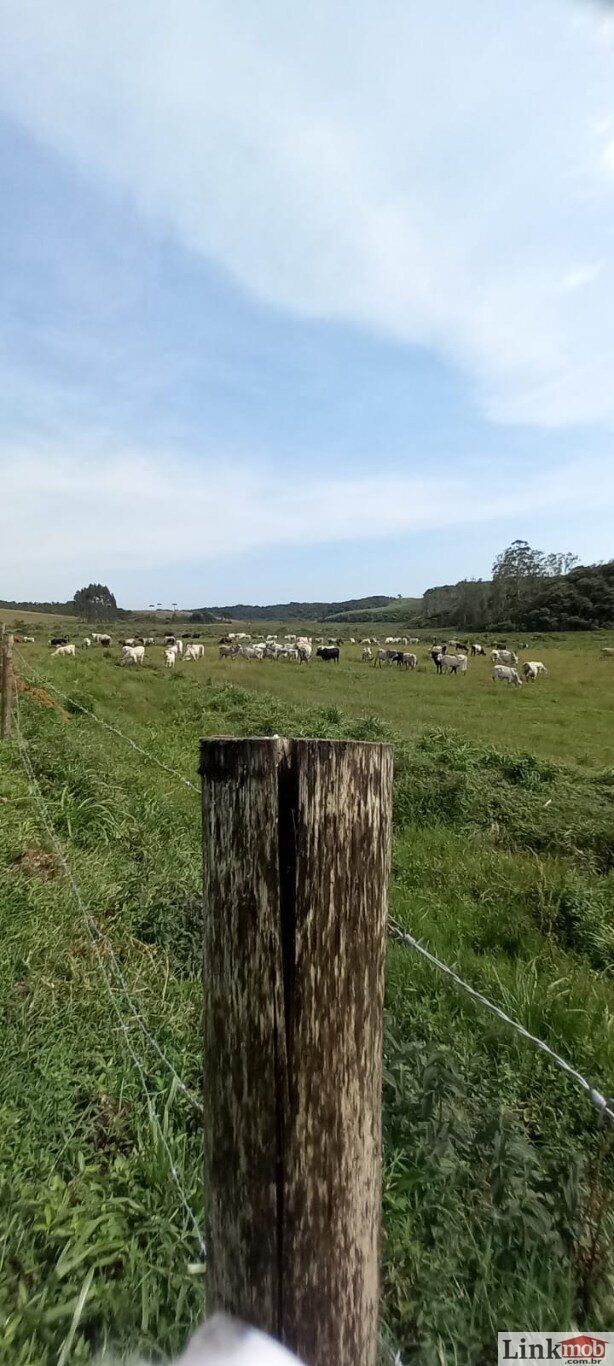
(296, 854)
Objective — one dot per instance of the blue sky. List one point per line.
(295, 306)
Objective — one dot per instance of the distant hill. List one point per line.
(395, 609)
(299, 611)
(63, 609)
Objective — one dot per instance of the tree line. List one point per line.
(528, 591)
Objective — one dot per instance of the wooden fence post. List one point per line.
(7, 687)
(296, 854)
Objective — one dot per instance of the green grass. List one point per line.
(498, 1178)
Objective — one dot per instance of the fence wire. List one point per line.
(602, 1103)
(96, 937)
(101, 940)
(145, 753)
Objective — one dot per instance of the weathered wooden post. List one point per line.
(7, 687)
(296, 853)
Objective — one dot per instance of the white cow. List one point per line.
(178, 646)
(194, 652)
(27, 640)
(98, 639)
(532, 668)
(502, 673)
(504, 657)
(170, 656)
(454, 664)
(367, 654)
(87, 644)
(133, 654)
(64, 650)
(304, 651)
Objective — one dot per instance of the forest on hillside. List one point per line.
(529, 591)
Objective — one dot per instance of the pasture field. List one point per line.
(498, 1175)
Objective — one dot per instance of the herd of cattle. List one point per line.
(448, 657)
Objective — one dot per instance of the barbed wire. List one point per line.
(33, 783)
(101, 940)
(146, 754)
(602, 1103)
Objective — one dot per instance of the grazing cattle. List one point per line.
(27, 640)
(504, 657)
(130, 640)
(385, 657)
(101, 639)
(87, 644)
(477, 649)
(249, 652)
(59, 640)
(437, 656)
(328, 653)
(502, 673)
(532, 668)
(407, 660)
(225, 651)
(65, 650)
(304, 651)
(179, 646)
(367, 654)
(170, 656)
(454, 664)
(194, 652)
(133, 654)
(607, 652)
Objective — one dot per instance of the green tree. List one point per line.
(516, 574)
(95, 603)
(519, 561)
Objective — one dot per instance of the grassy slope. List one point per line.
(495, 1169)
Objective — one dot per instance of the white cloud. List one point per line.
(127, 511)
(582, 275)
(431, 171)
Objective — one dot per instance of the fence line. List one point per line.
(96, 934)
(601, 1102)
(146, 754)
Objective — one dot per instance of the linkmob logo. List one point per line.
(581, 1347)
